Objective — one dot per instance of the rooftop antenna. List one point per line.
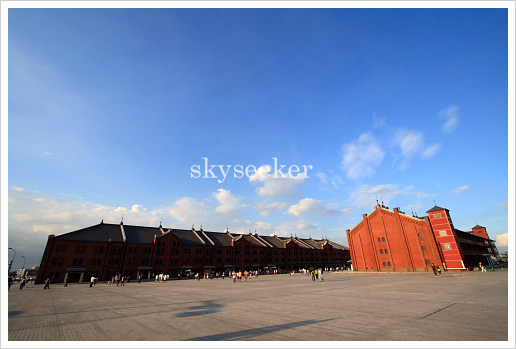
(201, 225)
(102, 221)
(122, 221)
(382, 202)
(160, 221)
(193, 223)
(435, 203)
(377, 203)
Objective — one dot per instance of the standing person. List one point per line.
(439, 271)
(246, 274)
(320, 275)
(47, 284)
(10, 282)
(157, 278)
(91, 281)
(95, 281)
(139, 278)
(66, 281)
(117, 280)
(434, 269)
(234, 277)
(22, 284)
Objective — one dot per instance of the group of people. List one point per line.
(437, 270)
(119, 280)
(161, 278)
(317, 274)
(23, 282)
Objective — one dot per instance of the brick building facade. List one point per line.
(390, 240)
(105, 250)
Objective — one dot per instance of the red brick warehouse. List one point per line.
(390, 240)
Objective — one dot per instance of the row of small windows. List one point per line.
(384, 251)
(447, 246)
(381, 239)
(387, 264)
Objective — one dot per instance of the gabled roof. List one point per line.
(219, 239)
(137, 234)
(188, 237)
(478, 226)
(436, 208)
(100, 232)
(251, 239)
(313, 243)
(274, 241)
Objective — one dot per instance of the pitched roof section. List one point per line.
(219, 239)
(189, 238)
(436, 208)
(274, 241)
(136, 234)
(99, 232)
(478, 226)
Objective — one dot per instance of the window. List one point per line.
(83, 249)
(54, 261)
(381, 250)
(443, 233)
(447, 246)
(423, 248)
(101, 249)
(60, 262)
(74, 262)
(420, 235)
(384, 264)
(389, 264)
(428, 262)
(58, 248)
(437, 215)
(386, 251)
(80, 261)
(78, 249)
(379, 239)
(383, 239)
(63, 249)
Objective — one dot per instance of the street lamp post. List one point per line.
(24, 261)
(10, 264)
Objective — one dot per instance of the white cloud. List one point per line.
(267, 209)
(360, 158)
(312, 207)
(228, 202)
(335, 180)
(431, 151)
(452, 119)
(187, 210)
(18, 189)
(502, 240)
(409, 142)
(47, 153)
(461, 189)
(365, 195)
(282, 185)
(302, 224)
(501, 204)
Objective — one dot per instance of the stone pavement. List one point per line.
(345, 307)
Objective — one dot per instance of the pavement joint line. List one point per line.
(446, 307)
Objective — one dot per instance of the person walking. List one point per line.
(234, 277)
(47, 284)
(22, 284)
(439, 271)
(66, 281)
(321, 275)
(139, 278)
(91, 281)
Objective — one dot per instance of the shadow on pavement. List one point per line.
(249, 334)
(208, 307)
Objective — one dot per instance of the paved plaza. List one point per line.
(345, 307)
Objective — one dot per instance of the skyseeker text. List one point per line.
(239, 171)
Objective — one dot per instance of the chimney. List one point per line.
(396, 210)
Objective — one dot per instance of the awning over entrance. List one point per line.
(143, 268)
(255, 265)
(209, 267)
(187, 267)
(229, 266)
(75, 269)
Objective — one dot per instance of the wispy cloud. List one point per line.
(409, 143)
(269, 208)
(452, 118)
(461, 189)
(47, 153)
(431, 151)
(313, 207)
(366, 195)
(228, 202)
(362, 157)
(378, 121)
(18, 189)
(334, 180)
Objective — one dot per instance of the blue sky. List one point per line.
(110, 108)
